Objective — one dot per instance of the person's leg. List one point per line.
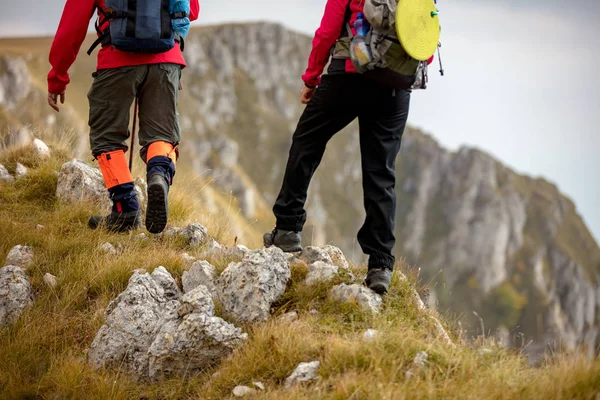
(159, 137)
(110, 99)
(381, 129)
(328, 112)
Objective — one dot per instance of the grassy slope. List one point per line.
(44, 353)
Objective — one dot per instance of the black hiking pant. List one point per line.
(382, 114)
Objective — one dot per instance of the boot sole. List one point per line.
(156, 214)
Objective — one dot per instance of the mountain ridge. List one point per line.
(497, 236)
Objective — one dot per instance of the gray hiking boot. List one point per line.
(117, 222)
(287, 241)
(157, 212)
(378, 279)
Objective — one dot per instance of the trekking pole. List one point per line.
(135, 107)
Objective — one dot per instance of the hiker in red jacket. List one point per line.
(121, 77)
(334, 101)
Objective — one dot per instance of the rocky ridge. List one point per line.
(514, 246)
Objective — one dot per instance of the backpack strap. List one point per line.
(103, 36)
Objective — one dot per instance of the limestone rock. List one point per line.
(50, 280)
(289, 317)
(5, 175)
(337, 257)
(201, 273)
(312, 254)
(15, 294)
(194, 341)
(151, 331)
(40, 148)
(166, 281)
(188, 260)
(141, 236)
(304, 372)
(241, 391)
(320, 271)
(364, 297)
(20, 256)
(21, 171)
(194, 234)
(130, 324)
(108, 248)
(78, 181)
(235, 253)
(247, 289)
(371, 334)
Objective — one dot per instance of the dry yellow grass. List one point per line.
(44, 354)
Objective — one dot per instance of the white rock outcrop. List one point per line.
(247, 289)
(153, 332)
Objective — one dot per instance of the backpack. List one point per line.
(143, 26)
(388, 61)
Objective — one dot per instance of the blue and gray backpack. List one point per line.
(143, 26)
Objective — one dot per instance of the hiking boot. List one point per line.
(117, 222)
(157, 212)
(287, 241)
(378, 279)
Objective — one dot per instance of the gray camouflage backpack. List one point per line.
(390, 64)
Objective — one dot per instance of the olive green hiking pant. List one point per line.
(111, 96)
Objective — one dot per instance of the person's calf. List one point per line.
(125, 214)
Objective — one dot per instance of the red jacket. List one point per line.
(332, 26)
(71, 34)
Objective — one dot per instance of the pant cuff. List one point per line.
(380, 260)
(295, 224)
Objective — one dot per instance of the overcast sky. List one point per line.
(521, 80)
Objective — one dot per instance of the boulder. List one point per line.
(20, 256)
(320, 271)
(78, 181)
(152, 331)
(201, 273)
(21, 171)
(195, 340)
(304, 372)
(367, 299)
(15, 294)
(247, 289)
(40, 148)
(5, 175)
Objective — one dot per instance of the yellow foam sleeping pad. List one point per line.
(418, 27)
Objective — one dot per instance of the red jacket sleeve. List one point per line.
(325, 37)
(67, 42)
(194, 10)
